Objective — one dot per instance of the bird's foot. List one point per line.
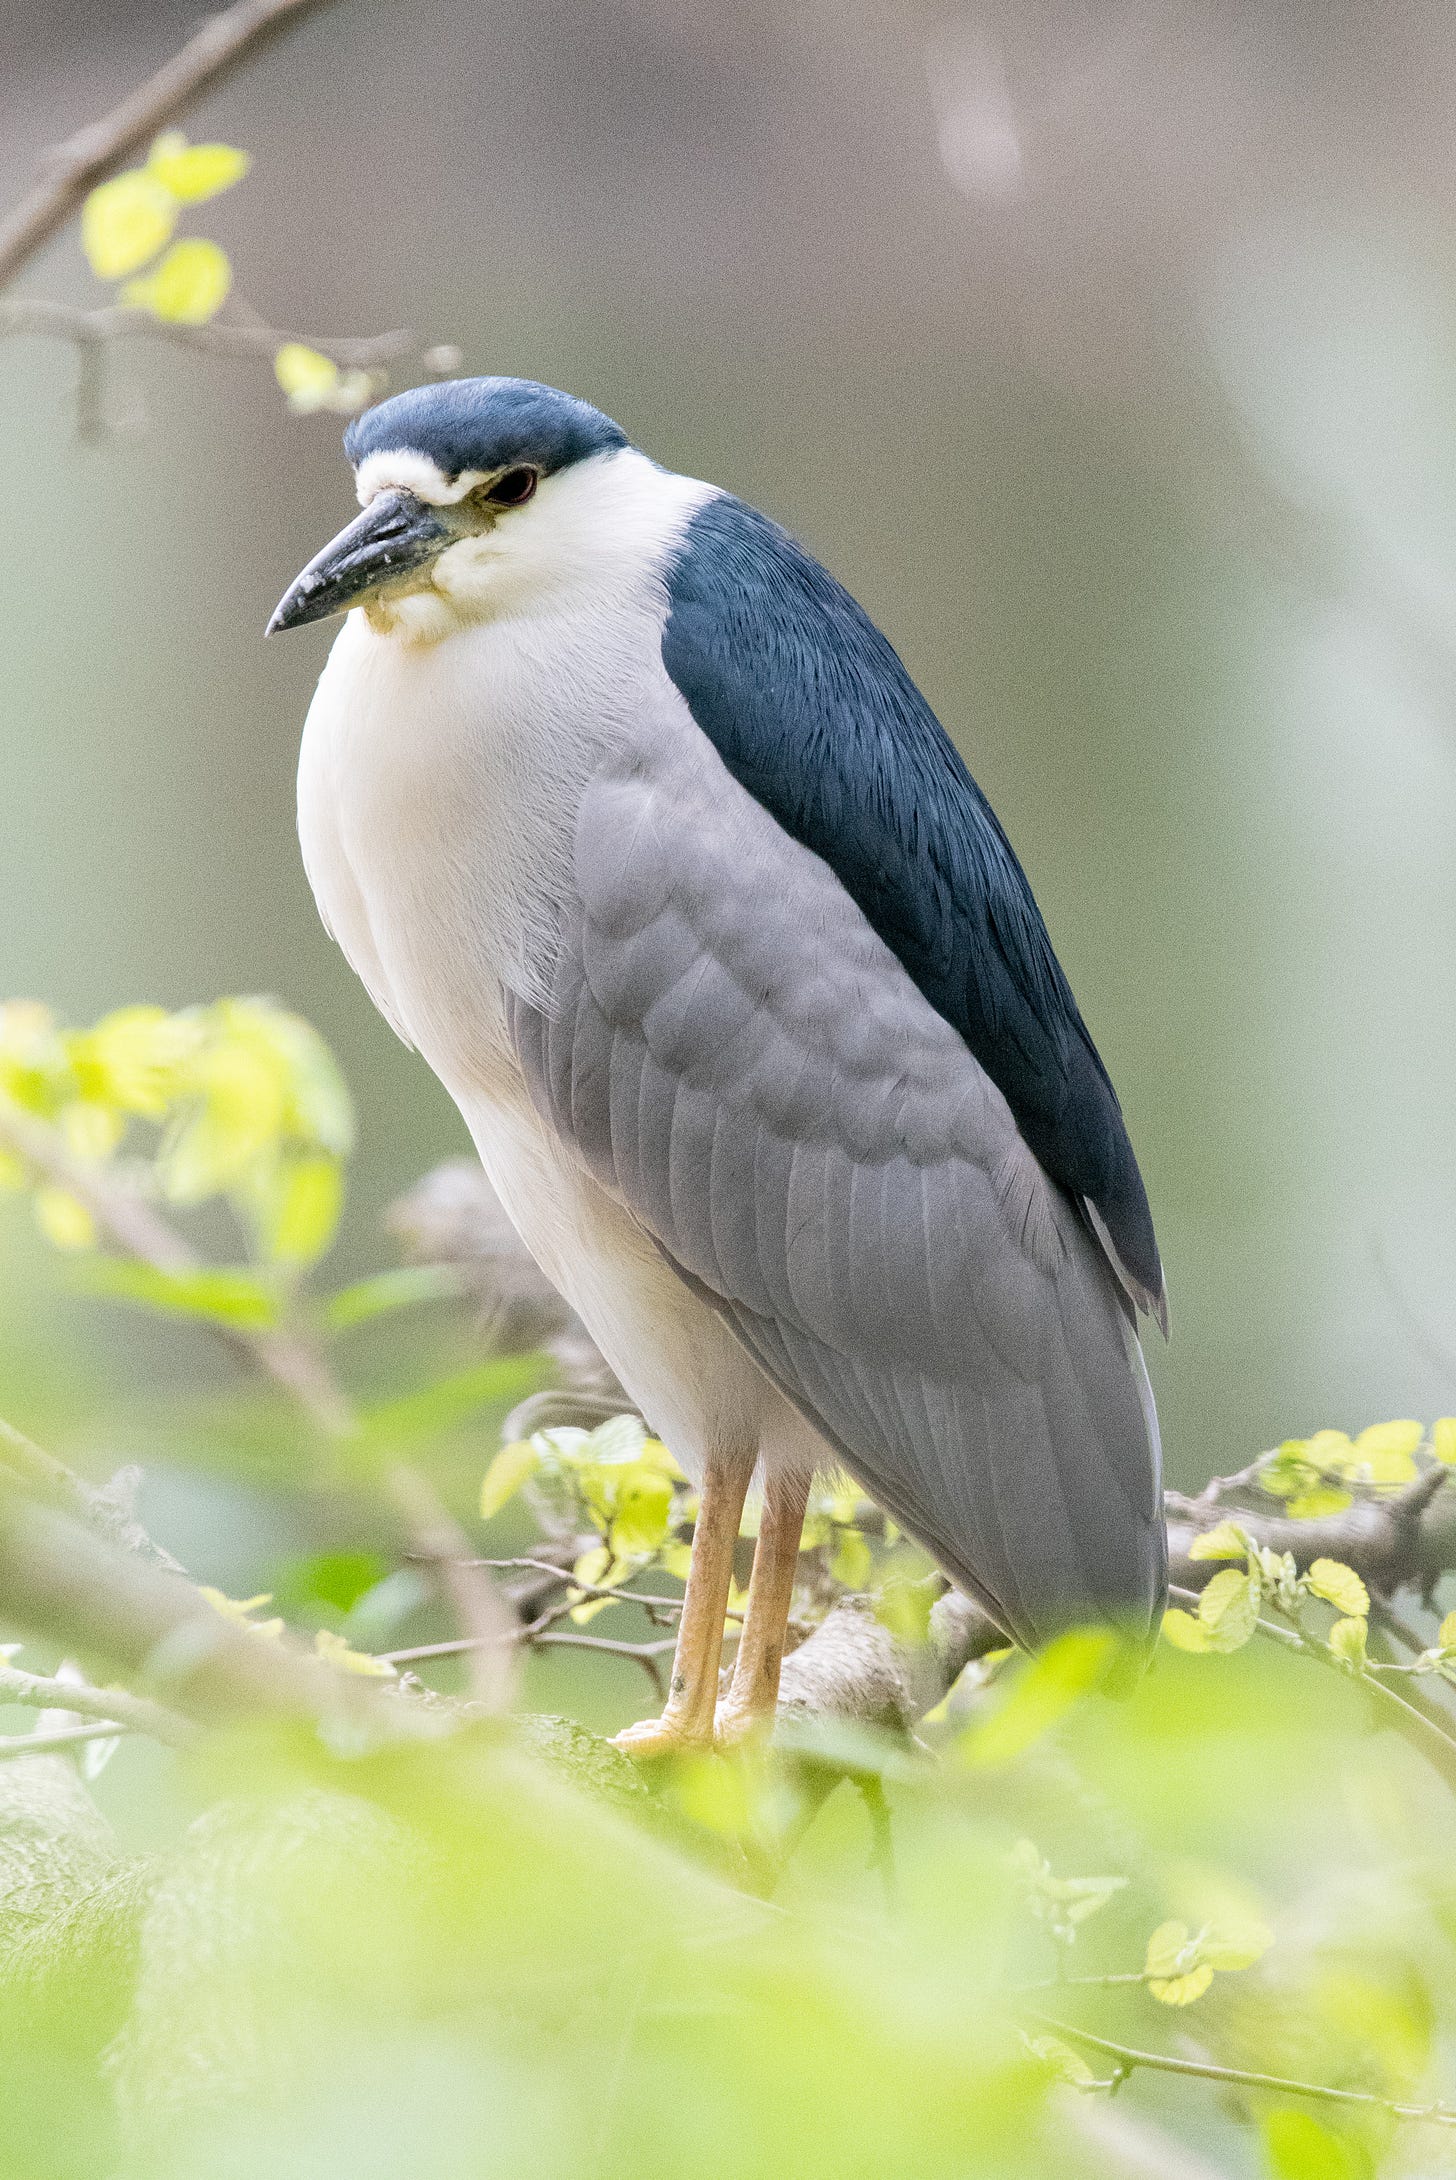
(670, 1735)
(739, 1723)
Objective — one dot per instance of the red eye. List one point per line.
(516, 485)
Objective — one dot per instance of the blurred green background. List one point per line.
(1107, 353)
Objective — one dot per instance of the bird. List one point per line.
(638, 830)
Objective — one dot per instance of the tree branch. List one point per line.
(1126, 2058)
(70, 170)
(1406, 1539)
(112, 1706)
(25, 314)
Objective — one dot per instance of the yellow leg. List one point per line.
(687, 1719)
(753, 1697)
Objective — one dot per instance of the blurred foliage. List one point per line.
(505, 1948)
(127, 225)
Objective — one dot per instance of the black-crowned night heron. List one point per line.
(637, 828)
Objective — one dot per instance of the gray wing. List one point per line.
(737, 1056)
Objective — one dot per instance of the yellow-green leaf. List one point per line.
(1225, 1542)
(850, 1562)
(188, 287)
(1443, 1439)
(1386, 1450)
(1234, 1946)
(1314, 1505)
(1229, 1610)
(63, 1219)
(1347, 1640)
(1066, 2065)
(1046, 1687)
(1183, 1631)
(1166, 1950)
(309, 379)
(1446, 1634)
(1175, 1971)
(1339, 1586)
(511, 1468)
(334, 1650)
(190, 172)
(300, 1209)
(1181, 1990)
(126, 221)
(643, 1509)
(1300, 2147)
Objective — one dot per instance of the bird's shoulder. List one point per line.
(813, 712)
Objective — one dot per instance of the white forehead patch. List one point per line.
(404, 469)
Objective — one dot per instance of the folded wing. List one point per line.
(736, 1054)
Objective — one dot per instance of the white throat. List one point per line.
(591, 533)
(450, 739)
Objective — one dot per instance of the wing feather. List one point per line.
(737, 1056)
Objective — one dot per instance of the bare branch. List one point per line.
(72, 169)
(89, 329)
(114, 1706)
(15, 1748)
(1404, 1540)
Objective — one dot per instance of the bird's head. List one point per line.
(464, 488)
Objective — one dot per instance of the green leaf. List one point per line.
(1174, 1965)
(300, 1211)
(511, 1468)
(1339, 1585)
(1228, 1610)
(850, 1561)
(643, 1511)
(1227, 1541)
(1324, 1499)
(336, 1651)
(188, 287)
(1229, 1947)
(338, 1579)
(126, 221)
(1298, 2146)
(401, 1288)
(1066, 2065)
(310, 380)
(1347, 1639)
(451, 1401)
(1042, 1692)
(192, 172)
(215, 1294)
(1184, 1631)
(1386, 1451)
(63, 1219)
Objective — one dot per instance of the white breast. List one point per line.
(439, 778)
(442, 768)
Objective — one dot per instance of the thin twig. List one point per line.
(116, 1706)
(72, 169)
(88, 329)
(489, 1629)
(15, 1746)
(617, 1595)
(644, 1654)
(1127, 2058)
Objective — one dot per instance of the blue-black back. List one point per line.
(813, 712)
